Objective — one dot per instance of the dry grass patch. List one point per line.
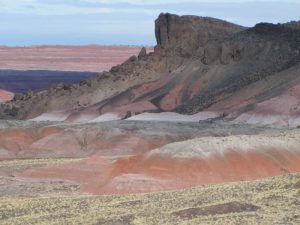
(270, 201)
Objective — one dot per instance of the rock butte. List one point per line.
(200, 64)
(215, 102)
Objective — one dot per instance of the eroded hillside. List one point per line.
(199, 64)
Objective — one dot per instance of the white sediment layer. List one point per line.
(52, 116)
(214, 146)
(106, 117)
(171, 116)
(274, 120)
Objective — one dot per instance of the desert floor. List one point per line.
(148, 172)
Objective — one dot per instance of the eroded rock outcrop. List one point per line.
(187, 34)
(199, 63)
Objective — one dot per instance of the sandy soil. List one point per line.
(76, 162)
(270, 201)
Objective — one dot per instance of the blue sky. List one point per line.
(125, 22)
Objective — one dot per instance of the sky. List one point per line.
(122, 22)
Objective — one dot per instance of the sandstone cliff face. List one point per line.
(198, 64)
(187, 34)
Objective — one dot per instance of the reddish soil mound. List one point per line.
(91, 170)
(282, 110)
(166, 94)
(93, 58)
(53, 142)
(16, 142)
(158, 172)
(5, 95)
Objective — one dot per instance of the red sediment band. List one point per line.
(139, 174)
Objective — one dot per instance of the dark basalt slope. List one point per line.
(248, 57)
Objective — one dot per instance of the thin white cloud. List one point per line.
(122, 21)
(73, 7)
(39, 8)
(163, 2)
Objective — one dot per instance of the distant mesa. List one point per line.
(40, 67)
(88, 58)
